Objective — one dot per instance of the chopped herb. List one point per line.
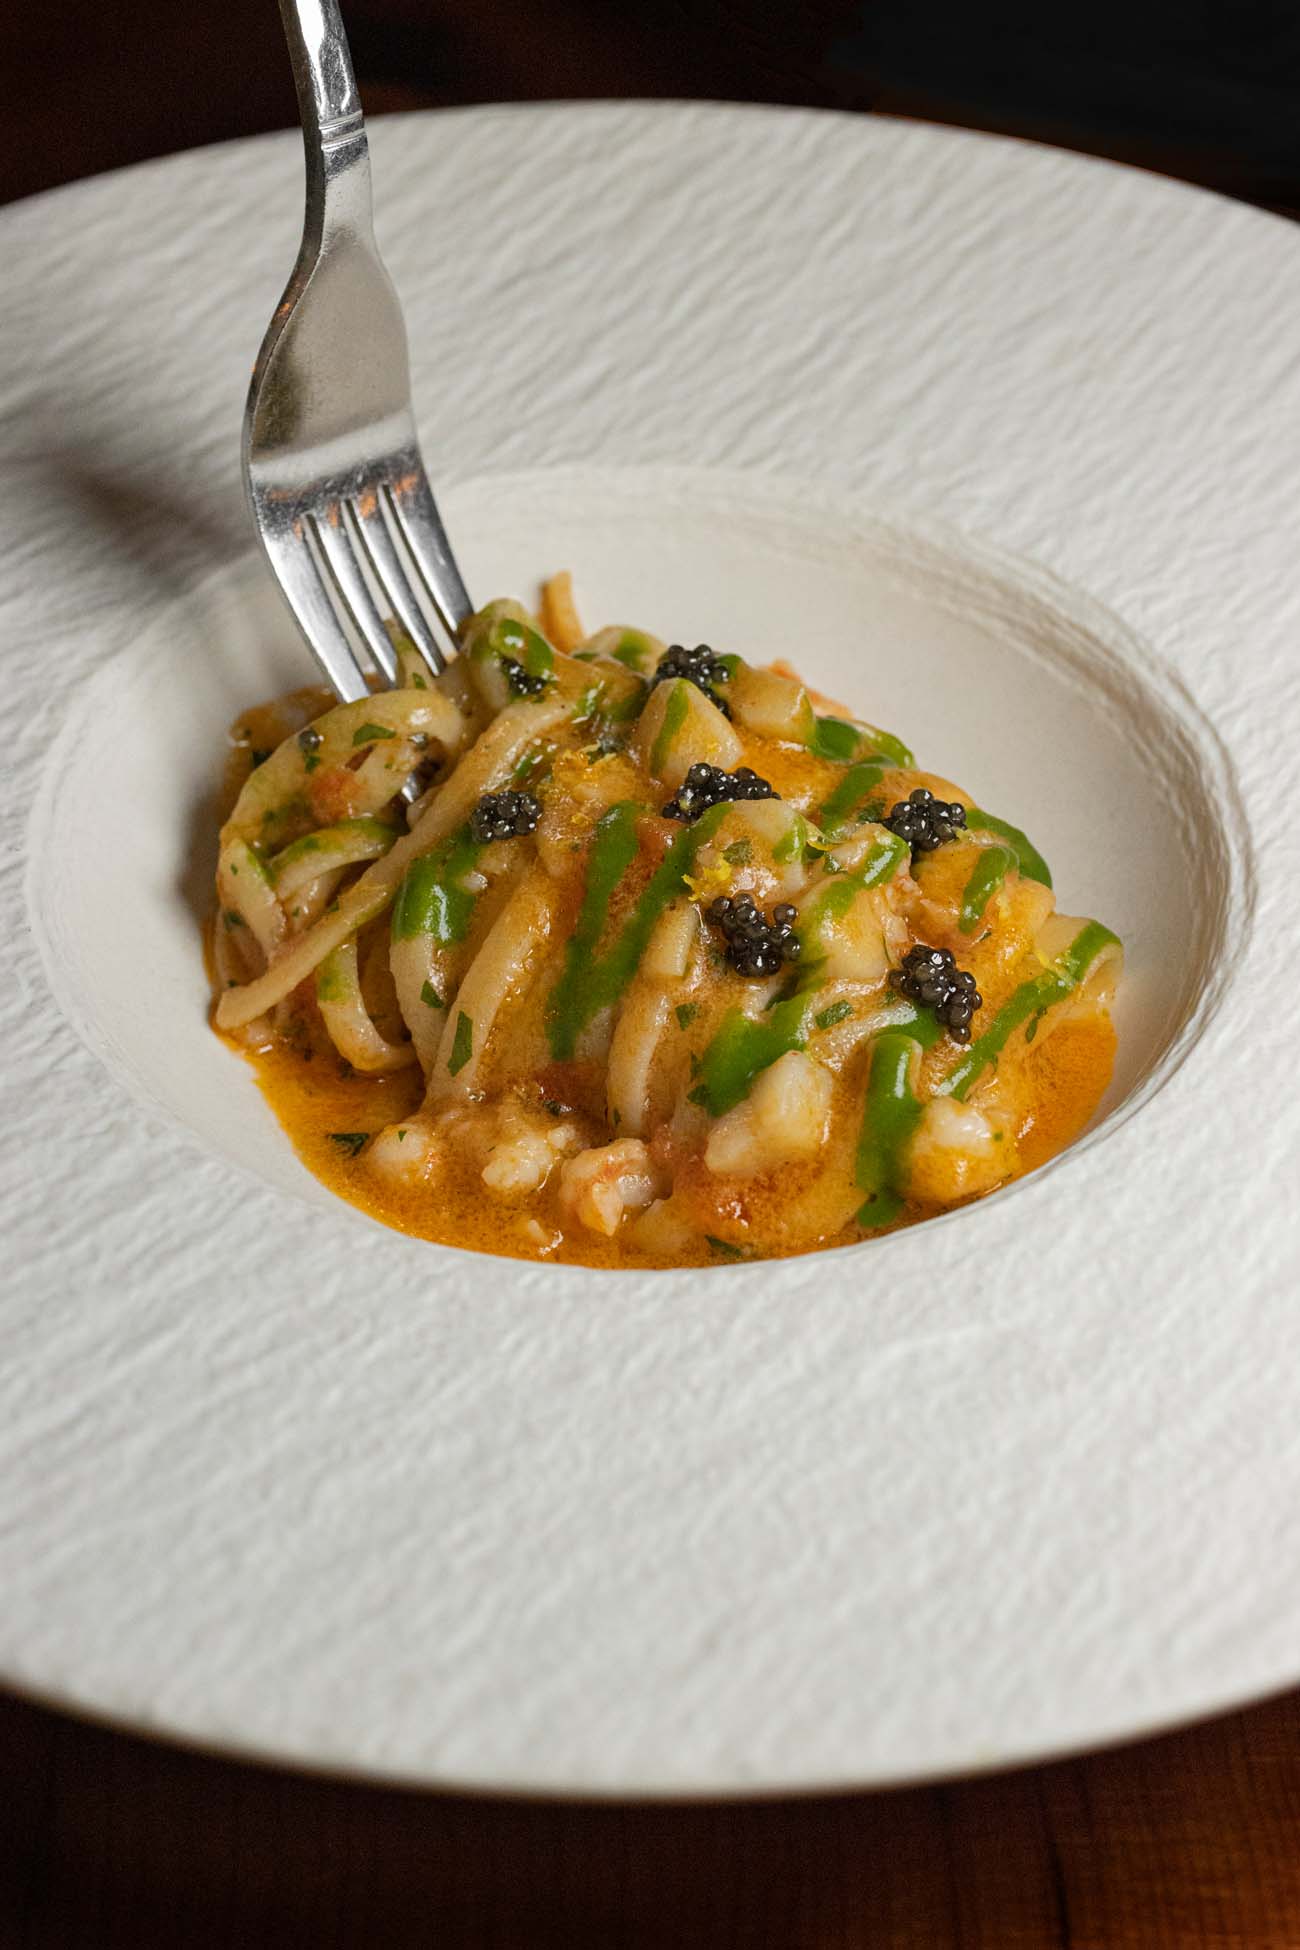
(838, 1012)
(417, 684)
(462, 1047)
(368, 733)
(695, 1067)
(400, 1136)
(349, 1141)
(724, 1246)
(738, 853)
(233, 920)
(430, 996)
(686, 1013)
(311, 761)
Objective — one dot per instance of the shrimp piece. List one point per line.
(600, 1187)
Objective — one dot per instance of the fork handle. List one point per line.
(333, 127)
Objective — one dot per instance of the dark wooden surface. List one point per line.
(114, 1843)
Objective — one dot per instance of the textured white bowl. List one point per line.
(1021, 1479)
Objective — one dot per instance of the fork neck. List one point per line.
(333, 127)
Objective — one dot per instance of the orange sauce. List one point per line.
(1058, 1088)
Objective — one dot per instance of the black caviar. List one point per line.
(708, 785)
(924, 821)
(521, 684)
(701, 666)
(755, 945)
(504, 816)
(931, 977)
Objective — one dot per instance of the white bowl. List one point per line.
(1021, 1479)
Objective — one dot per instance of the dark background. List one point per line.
(114, 1843)
(1208, 90)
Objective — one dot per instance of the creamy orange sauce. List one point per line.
(314, 1096)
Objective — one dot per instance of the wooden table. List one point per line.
(114, 1843)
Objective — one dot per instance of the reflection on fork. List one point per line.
(332, 464)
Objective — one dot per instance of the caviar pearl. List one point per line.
(504, 816)
(925, 822)
(708, 785)
(700, 666)
(755, 945)
(931, 977)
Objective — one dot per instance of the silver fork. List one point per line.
(331, 461)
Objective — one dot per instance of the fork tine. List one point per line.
(411, 502)
(336, 547)
(366, 519)
(306, 595)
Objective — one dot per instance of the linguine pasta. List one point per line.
(671, 961)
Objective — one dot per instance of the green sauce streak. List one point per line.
(880, 865)
(987, 875)
(1032, 998)
(790, 846)
(842, 742)
(432, 898)
(613, 849)
(634, 651)
(675, 710)
(622, 710)
(835, 739)
(849, 796)
(332, 983)
(891, 1115)
(590, 983)
(1032, 864)
(742, 1048)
